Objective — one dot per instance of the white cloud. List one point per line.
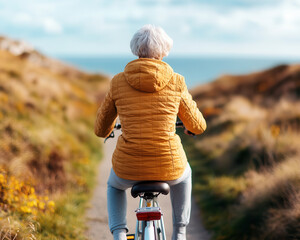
(281, 20)
(196, 26)
(23, 18)
(52, 26)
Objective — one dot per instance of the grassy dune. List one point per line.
(48, 151)
(246, 167)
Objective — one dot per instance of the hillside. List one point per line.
(264, 88)
(246, 165)
(48, 150)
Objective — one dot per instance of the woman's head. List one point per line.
(151, 42)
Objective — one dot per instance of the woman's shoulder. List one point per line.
(118, 76)
(178, 76)
(179, 79)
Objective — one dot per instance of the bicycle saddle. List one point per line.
(150, 187)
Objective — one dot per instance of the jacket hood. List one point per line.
(148, 75)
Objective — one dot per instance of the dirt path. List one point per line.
(97, 219)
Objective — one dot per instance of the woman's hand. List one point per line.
(187, 132)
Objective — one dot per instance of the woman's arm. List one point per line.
(189, 113)
(106, 116)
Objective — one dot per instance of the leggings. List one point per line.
(180, 192)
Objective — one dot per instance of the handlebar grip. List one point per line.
(189, 132)
(179, 124)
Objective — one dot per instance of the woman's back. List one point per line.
(148, 148)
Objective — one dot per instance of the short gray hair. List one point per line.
(151, 42)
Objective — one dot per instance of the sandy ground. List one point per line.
(96, 215)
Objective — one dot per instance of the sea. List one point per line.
(196, 70)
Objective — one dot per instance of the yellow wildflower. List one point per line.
(51, 204)
(25, 209)
(42, 205)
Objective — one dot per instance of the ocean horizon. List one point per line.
(196, 70)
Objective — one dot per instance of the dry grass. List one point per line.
(268, 182)
(247, 164)
(47, 140)
(284, 222)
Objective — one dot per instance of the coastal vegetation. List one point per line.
(246, 174)
(48, 150)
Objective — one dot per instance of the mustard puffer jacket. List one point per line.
(148, 96)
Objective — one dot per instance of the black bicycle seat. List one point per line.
(150, 187)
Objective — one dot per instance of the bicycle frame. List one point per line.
(153, 229)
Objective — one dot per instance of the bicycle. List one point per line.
(150, 224)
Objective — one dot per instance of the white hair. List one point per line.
(151, 42)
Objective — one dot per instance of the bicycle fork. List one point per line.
(150, 224)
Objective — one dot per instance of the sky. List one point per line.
(260, 28)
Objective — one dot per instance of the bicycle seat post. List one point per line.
(149, 217)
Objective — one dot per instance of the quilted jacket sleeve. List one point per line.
(106, 116)
(189, 113)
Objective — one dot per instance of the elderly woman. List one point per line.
(148, 96)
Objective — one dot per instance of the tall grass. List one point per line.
(48, 151)
(246, 171)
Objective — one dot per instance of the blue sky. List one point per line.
(198, 27)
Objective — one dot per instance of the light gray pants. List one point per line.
(180, 191)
